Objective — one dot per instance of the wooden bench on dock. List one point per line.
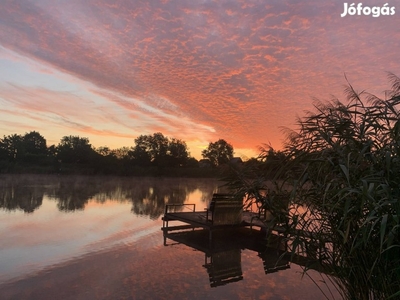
(224, 211)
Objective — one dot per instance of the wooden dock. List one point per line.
(186, 220)
(226, 212)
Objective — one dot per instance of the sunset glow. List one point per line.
(194, 70)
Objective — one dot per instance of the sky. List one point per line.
(199, 70)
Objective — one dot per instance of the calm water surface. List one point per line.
(100, 238)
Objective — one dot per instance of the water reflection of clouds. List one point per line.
(57, 231)
(46, 237)
(144, 269)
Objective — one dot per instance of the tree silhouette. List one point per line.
(219, 152)
(12, 146)
(74, 149)
(177, 152)
(159, 150)
(29, 153)
(34, 143)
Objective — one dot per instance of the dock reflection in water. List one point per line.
(223, 252)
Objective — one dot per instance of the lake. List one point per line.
(75, 237)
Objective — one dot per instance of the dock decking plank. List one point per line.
(198, 219)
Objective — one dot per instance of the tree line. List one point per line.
(74, 154)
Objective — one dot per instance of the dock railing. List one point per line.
(176, 207)
(179, 207)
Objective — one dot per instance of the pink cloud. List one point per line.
(243, 69)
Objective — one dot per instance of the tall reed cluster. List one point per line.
(342, 164)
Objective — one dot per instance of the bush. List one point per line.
(343, 165)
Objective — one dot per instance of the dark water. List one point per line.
(100, 238)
